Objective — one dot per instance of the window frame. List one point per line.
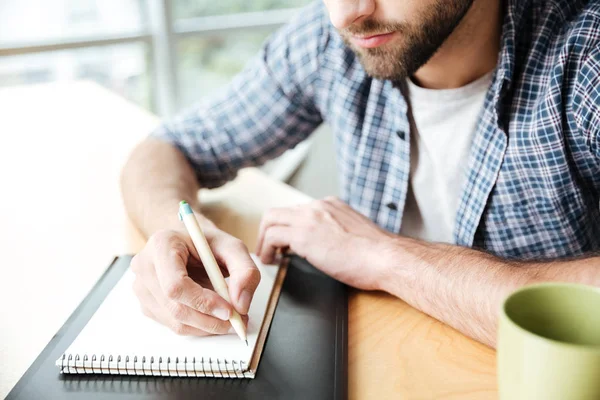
(160, 37)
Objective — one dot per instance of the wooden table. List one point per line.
(61, 152)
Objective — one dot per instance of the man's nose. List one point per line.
(344, 13)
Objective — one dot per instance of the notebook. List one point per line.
(304, 355)
(120, 340)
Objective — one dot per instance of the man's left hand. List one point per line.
(331, 236)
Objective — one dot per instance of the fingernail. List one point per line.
(244, 302)
(221, 313)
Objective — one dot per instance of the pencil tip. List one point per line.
(246, 342)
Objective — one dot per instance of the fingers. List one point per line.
(170, 259)
(181, 326)
(276, 216)
(244, 276)
(307, 217)
(335, 200)
(184, 290)
(168, 295)
(296, 227)
(180, 314)
(276, 237)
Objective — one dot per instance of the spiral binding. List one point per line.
(152, 366)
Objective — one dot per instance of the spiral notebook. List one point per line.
(120, 340)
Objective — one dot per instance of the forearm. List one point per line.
(464, 288)
(156, 177)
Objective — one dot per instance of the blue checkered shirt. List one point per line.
(533, 179)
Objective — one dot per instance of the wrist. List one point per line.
(401, 260)
(164, 215)
(386, 259)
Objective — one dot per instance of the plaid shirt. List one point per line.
(533, 179)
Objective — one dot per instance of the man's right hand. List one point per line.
(173, 288)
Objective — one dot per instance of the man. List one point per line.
(468, 148)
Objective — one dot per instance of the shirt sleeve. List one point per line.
(586, 101)
(268, 108)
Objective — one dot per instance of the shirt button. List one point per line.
(400, 134)
(392, 206)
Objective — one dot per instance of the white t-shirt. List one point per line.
(443, 125)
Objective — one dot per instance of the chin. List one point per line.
(383, 76)
(383, 63)
(383, 69)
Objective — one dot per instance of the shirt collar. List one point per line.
(515, 13)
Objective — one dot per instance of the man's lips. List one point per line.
(372, 41)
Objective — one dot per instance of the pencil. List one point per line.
(210, 264)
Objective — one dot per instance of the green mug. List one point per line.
(549, 343)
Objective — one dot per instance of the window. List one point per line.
(208, 62)
(160, 54)
(122, 68)
(27, 21)
(203, 8)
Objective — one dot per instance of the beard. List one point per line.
(416, 44)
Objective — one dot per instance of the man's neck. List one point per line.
(469, 53)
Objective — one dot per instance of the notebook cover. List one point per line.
(305, 355)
